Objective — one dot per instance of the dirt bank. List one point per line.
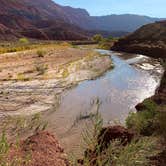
(41, 149)
(30, 80)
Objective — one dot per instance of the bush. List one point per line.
(106, 43)
(97, 38)
(143, 122)
(4, 148)
(24, 40)
(40, 53)
(161, 121)
(134, 153)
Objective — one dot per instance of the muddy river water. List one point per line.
(119, 90)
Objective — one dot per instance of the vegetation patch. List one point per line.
(104, 43)
(40, 53)
(24, 41)
(102, 151)
(143, 122)
(21, 77)
(41, 68)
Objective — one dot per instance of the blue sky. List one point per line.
(156, 8)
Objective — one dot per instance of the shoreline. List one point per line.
(70, 74)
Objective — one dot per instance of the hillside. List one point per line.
(44, 19)
(124, 22)
(41, 19)
(148, 40)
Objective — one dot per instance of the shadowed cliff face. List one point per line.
(148, 40)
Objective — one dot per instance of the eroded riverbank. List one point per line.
(28, 92)
(134, 78)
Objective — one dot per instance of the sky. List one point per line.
(154, 8)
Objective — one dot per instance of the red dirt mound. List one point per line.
(41, 149)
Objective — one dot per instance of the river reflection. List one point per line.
(119, 90)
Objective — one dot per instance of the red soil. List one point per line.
(43, 149)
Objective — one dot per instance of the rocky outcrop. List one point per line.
(149, 40)
(111, 133)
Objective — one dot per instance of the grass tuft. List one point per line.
(40, 53)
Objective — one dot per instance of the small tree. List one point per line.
(97, 38)
(24, 40)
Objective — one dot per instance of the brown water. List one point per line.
(134, 78)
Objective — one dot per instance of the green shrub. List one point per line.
(40, 53)
(24, 41)
(134, 154)
(97, 38)
(150, 105)
(143, 122)
(161, 121)
(106, 43)
(4, 148)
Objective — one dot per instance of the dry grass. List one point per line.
(39, 62)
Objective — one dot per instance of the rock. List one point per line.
(111, 133)
(140, 107)
(105, 137)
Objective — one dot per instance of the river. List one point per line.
(119, 90)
